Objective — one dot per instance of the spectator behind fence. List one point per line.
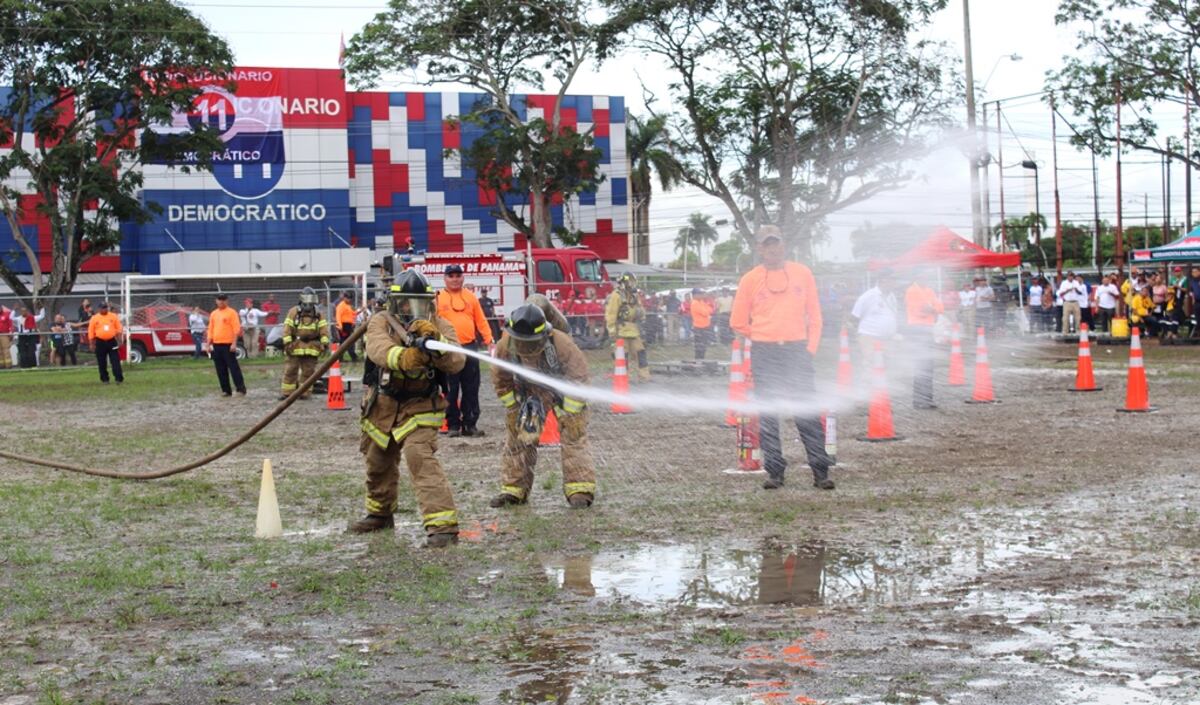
(1036, 291)
(104, 330)
(460, 307)
(985, 297)
(63, 341)
(271, 307)
(702, 323)
(1074, 298)
(196, 326)
(251, 318)
(671, 307)
(29, 343)
(922, 308)
(966, 307)
(1171, 316)
(344, 317)
(1107, 296)
(723, 306)
(876, 312)
(224, 329)
(8, 327)
(488, 304)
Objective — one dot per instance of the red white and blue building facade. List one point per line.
(310, 166)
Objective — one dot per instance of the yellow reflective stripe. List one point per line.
(381, 439)
(288, 322)
(393, 357)
(288, 387)
(431, 419)
(375, 507)
(305, 352)
(287, 339)
(324, 340)
(571, 488)
(509, 400)
(513, 490)
(446, 518)
(573, 406)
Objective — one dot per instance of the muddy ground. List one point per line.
(1042, 550)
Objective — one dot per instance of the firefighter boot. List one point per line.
(580, 500)
(372, 522)
(504, 499)
(441, 540)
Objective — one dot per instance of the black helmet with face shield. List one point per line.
(411, 297)
(308, 301)
(527, 328)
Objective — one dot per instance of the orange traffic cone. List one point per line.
(621, 379)
(737, 381)
(1085, 380)
(958, 374)
(845, 371)
(550, 437)
(335, 397)
(983, 393)
(879, 415)
(1137, 392)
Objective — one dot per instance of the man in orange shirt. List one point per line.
(922, 306)
(462, 309)
(777, 308)
(345, 316)
(224, 329)
(104, 330)
(702, 314)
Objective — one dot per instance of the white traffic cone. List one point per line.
(268, 525)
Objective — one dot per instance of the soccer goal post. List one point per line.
(155, 308)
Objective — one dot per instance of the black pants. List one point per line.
(106, 353)
(463, 397)
(785, 372)
(68, 351)
(921, 340)
(347, 329)
(701, 340)
(224, 358)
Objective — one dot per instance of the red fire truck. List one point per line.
(506, 275)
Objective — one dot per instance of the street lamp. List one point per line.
(1014, 57)
(1037, 198)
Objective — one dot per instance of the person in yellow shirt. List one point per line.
(922, 306)
(777, 308)
(344, 316)
(461, 308)
(224, 330)
(104, 330)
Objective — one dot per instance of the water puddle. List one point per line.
(806, 574)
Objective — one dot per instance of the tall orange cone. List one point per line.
(550, 437)
(879, 415)
(845, 371)
(737, 381)
(1137, 392)
(983, 393)
(958, 373)
(335, 398)
(621, 379)
(1085, 380)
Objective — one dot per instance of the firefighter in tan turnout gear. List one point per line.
(404, 409)
(530, 341)
(305, 338)
(623, 315)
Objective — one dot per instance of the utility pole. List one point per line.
(976, 216)
(1000, 178)
(1187, 151)
(1120, 254)
(1058, 234)
(1096, 239)
(1167, 218)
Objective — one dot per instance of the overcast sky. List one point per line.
(306, 33)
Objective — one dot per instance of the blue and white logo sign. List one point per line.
(253, 161)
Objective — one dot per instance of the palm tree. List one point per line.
(697, 233)
(648, 146)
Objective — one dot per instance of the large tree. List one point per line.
(648, 144)
(497, 47)
(790, 110)
(84, 77)
(1145, 52)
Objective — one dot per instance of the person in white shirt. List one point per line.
(984, 297)
(197, 326)
(876, 311)
(1074, 295)
(1107, 296)
(966, 308)
(251, 316)
(1035, 305)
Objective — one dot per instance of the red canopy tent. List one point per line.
(945, 248)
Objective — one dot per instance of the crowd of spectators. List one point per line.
(1161, 303)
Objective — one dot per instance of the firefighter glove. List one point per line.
(408, 359)
(422, 328)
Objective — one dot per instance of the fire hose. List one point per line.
(307, 384)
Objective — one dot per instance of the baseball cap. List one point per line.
(103, 304)
(766, 232)
(453, 269)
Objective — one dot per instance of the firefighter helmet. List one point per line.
(308, 300)
(628, 280)
(411, 297)
(528, 329)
